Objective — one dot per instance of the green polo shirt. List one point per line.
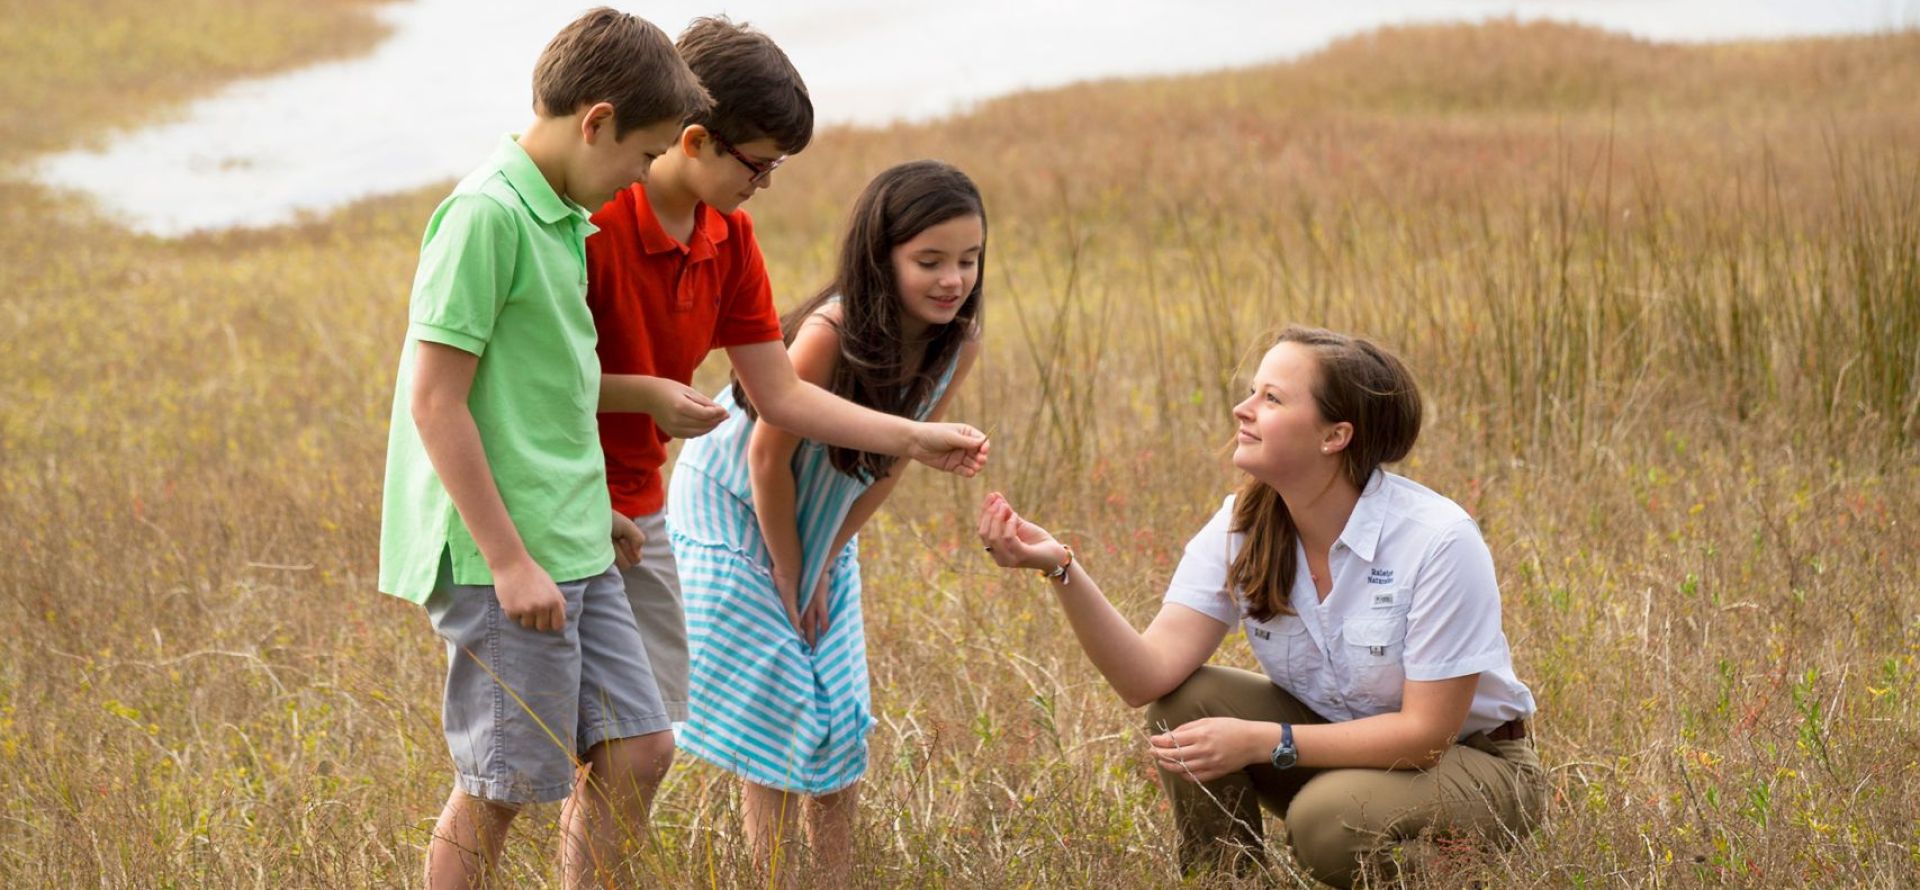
(503, 276)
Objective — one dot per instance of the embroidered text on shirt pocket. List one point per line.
(1375, 647)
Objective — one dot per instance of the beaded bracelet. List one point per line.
(1060, 572)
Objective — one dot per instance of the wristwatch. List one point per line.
(1284, 756)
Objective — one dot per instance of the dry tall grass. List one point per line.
(1665, 301)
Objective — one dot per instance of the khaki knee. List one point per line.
(1194, 698)
(1329, 832)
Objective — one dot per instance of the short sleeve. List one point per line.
(747, 314)
(1453, 628)
(466, 271)
(1200, 581)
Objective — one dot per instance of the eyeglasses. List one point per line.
(760, 169)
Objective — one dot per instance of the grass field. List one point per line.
(1664, 300)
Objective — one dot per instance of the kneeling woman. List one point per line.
(1389, 709)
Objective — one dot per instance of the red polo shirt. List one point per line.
(660, 306)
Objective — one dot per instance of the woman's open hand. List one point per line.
(1014, 542)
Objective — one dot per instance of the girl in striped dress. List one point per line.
(763, 523)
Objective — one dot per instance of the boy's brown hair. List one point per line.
(756, 91)
(609, 56)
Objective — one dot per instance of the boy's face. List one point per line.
(725, 174)
(609, 164)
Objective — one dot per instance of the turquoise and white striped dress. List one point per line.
(765, 705)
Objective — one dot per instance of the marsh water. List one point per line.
(426, 104)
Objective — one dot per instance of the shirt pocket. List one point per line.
(1291, 658)
(1375, 648)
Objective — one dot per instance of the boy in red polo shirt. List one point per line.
(675, 272)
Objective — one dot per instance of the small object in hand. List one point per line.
(989, 548)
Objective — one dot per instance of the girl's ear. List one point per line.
(1336, 438)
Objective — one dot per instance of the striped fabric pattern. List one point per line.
(764, 704)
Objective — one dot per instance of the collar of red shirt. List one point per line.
(709, 229)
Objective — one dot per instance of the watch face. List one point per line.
(1284, 757)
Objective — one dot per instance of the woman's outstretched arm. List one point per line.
(1141, 667)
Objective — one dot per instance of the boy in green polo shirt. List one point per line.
(495, 514)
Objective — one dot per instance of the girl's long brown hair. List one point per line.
(1358, 383)
(878, 367)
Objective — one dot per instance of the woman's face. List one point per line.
(1281, 433)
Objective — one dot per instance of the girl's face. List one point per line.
(1282, 435)
(935, 271)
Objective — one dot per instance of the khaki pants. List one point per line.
(1339, 820)
(653, 589)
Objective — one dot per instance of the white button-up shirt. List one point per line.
(1414, 598)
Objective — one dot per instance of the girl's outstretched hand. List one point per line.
(1014, 542)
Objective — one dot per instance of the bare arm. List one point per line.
(876, 494)
(810, 412)
(442, 378)
(680, 410)
(1429, 720)
(770, 449)
(815, 620)
(1431, 715)
(1141, 667)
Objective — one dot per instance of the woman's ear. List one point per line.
(1337, 437)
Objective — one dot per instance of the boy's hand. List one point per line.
(681, 411)
(1014, 542)
(628, 540)
(949, 447)
(529, 597)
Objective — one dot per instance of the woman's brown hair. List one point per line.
(1357, 383)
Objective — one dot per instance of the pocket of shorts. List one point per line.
(1375, 647)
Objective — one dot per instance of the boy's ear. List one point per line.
(694, 138)
(597, 120)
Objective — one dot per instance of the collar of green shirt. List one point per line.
(531, 185)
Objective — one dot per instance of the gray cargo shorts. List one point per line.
(522, 706)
